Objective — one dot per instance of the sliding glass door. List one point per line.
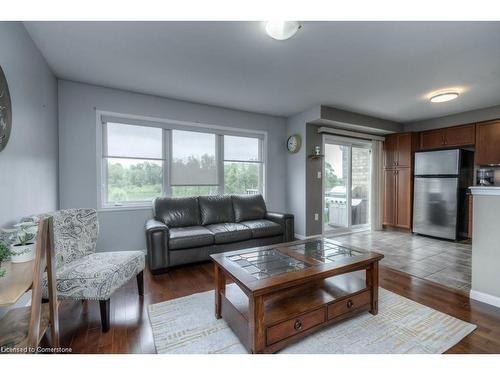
(346, 184)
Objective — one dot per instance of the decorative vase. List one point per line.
(22, 253)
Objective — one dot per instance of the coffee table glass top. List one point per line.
(324, 251)
(272, 262)
(266, 263)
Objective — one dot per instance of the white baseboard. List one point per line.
(301, 237)
(484, 297)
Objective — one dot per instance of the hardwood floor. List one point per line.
(131, 332)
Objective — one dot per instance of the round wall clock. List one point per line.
(293, 143)
(5, 111)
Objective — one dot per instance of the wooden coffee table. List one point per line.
(284, 292)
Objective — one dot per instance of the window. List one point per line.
(133, 163)
(242, 165)
(194, 163)
(141, 162)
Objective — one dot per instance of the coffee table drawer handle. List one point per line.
(350, 304)
(297, 325)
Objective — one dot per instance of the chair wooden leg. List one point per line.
(104, 307)
(140, 283)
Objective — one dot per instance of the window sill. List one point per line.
(125, 208)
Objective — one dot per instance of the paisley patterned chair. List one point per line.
(83, 274)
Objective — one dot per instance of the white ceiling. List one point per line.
(382, 69)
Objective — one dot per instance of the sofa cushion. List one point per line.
(216, 209)
(263, 228)
(229, 232)
(248, 207)
(186, 237)
(177, 212)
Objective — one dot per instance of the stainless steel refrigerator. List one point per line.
(439, 192)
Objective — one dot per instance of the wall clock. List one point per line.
(293, 143)
(5, 111)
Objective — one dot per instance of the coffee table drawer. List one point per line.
(349, 304)
(293, 326)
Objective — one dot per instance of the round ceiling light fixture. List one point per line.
(282, 30)
(444, 97)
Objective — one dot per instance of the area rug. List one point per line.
(188, 326)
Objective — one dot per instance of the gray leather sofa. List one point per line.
(187, 230)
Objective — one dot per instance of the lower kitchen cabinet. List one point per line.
(397, 198)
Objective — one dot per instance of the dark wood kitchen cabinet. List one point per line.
(487, 143)
(456, 136)
(397, 198)
(464, 135)
(404, 198)
(389, 197)
(432, 139)
(399, 150)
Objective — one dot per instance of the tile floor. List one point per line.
(441, 261)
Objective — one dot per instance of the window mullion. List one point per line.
(167, 155)
(220, 163)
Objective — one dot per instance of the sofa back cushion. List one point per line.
(248, 207)
(177, 212)
(216, 209)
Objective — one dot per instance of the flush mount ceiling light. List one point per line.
(444, 97)
(282, 30)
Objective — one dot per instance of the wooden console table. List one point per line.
(17, 280)
(23, 328)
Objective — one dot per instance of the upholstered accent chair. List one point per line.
(83, 274)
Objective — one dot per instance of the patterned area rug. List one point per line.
(187, 326)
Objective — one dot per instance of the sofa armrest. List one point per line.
(153, 225)
(287, 223)
(157, 234)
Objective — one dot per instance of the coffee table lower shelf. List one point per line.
(294, 313)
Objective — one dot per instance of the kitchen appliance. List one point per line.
(486, 176)
(439, 194)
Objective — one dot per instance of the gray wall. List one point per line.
(296, 168)
(304, 189)
(357, 122)
(124, 230)
(468, 117)
(28, 165)
(314, 185)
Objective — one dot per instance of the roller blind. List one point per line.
(131, 141)
(194, 158)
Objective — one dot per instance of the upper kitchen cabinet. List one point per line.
(456, 136)
(389, 150)
(398, 150)
(432, 139)
(464, 135)
(487, 143)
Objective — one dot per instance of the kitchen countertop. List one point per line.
(485, 190)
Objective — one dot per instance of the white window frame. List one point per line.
(260, 161)
(102, 117)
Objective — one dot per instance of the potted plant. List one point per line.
(22, 241)
(4, 255)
